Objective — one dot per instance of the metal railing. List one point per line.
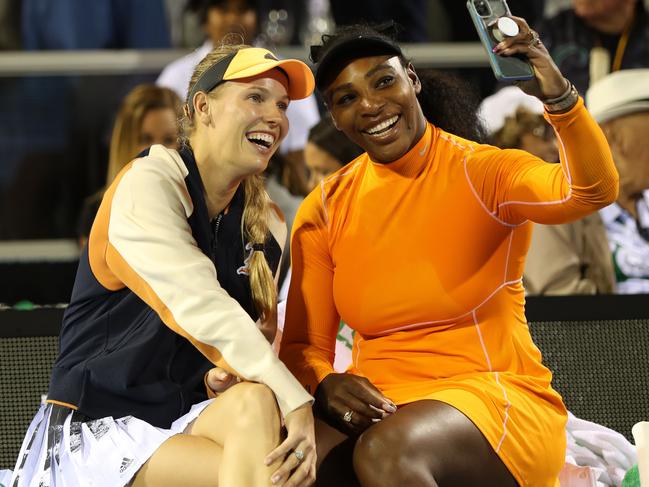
(129, 61)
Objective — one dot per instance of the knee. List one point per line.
(254, 403)
(388, 456)
(376, 459)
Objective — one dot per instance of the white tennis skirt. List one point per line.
(62, 448)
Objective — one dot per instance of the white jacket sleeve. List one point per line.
(152, 251)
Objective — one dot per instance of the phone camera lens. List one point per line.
(482, 7)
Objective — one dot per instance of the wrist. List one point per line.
(563, 102)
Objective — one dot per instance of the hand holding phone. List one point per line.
(492, 22)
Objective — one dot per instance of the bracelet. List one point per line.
(563, 102)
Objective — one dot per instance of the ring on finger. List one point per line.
(347, 417)
(534, 38)
(299, 454)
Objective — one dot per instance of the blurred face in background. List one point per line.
(320, 163)
(541, 142)
(628, 137)
(597, 11)
(232, 16)
(158, 127)
(530, 132)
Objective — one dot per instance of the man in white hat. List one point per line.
(620, 104)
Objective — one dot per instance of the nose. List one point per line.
(274, 115)
(371, 105)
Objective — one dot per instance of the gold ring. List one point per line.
(534, 38)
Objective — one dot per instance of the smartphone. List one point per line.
(485, 14)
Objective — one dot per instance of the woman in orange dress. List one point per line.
(419, 246)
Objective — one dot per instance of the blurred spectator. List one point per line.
(327, 150)
(411, 15)
(53, 127)
(462, 28)
(572, 258)
(453, 24)
(596, 37)
(148, 115)
(10, 25)
(220, 18)
(99, 24)
(620, 104)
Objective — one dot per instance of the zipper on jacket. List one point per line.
(215, 234)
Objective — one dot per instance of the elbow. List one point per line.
(613, 190)
(613, 194)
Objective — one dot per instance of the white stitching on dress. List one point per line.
(484, 207)
(324, 202)
(486, 354)
(566, 173)
(455, 318)
(322, 188)
(507, 407)
(509, 248)
(484, 348)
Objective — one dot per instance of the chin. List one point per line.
(390, 153)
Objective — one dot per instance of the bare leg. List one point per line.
(335, 453)
(428, 443)
(225, 446)
(182, 460)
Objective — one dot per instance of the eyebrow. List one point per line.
(266, 91)
(369, 74)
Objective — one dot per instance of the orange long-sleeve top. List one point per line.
(423, 258)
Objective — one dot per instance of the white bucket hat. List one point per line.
(495, 109)
(619, 93)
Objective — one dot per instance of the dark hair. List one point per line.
(451, 103)
(446, 101)
(331, 140)
(201, 7)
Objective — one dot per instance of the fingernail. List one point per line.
(267, 461)
(376, 420)
(274, 479)
(389, 407)
(222, 375)
(495, 49)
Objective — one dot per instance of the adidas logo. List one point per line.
(126, 462)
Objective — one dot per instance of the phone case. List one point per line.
(485, 13)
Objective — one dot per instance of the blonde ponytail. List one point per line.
(256, 211)
(257, 208)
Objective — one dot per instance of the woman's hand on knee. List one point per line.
(220, 380)
(297, 450)
(351, 403)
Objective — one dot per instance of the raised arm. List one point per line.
(516, 186)
(523, 187)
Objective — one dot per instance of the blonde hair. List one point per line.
(127, 130)
(257, 203)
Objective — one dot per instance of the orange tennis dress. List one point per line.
(423, 257)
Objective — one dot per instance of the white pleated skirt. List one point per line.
(64, 449)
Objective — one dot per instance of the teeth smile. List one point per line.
(383, 125)
(261, 138)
